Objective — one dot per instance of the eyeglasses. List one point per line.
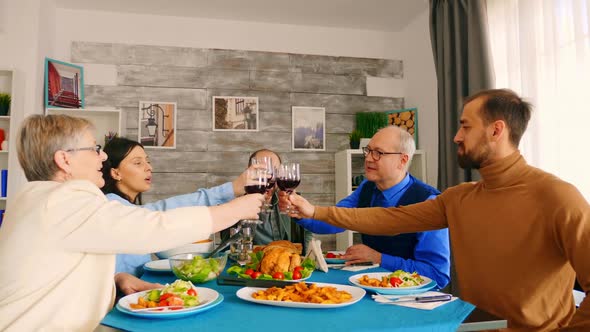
(376, 154)
(95, 148)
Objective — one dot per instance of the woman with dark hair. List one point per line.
(127, 174)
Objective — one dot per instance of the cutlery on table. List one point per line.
(418, 299)
(340, 266)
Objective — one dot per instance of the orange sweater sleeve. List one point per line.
(571, 235)
(424, 216)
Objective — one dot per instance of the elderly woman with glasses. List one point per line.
(60, 234)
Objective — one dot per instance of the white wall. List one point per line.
(29, 36)
(26, 36)
(95, 26)
(412, 45)
(420, 90)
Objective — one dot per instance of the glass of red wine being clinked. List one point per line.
(265, 164)
(256, 180)
(288, 178)
(256, 183)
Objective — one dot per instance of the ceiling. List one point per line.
(380, 15)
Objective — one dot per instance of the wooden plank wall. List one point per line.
(191, 76)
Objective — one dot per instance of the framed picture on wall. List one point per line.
(308, 128)
(407, 119)
(157, 124)
(235, 113)
(64, 84)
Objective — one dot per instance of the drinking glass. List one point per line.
(267, 166)
(288, 178)
(256, 180)
(255, 184)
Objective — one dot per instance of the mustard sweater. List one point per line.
(519, 237)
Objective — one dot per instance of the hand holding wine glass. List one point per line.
(288, 178)
(302, 208)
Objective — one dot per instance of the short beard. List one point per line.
(467, 161)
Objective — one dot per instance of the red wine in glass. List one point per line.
(288, 185)
(270, 183)
(255, 189)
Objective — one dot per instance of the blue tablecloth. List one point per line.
(236, 315)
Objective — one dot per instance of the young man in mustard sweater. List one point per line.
(519, 236)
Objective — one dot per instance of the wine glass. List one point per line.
(256, 181)
(288, 178)
(267, 166)
(255, 184)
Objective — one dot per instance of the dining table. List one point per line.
(235, 314)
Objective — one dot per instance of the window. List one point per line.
(541, 50)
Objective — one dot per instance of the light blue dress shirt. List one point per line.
(133, 264)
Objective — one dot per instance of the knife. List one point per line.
(419, 299)
(354, 264)
(244, 282)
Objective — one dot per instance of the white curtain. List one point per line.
(541, 50)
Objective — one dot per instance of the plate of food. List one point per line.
(178, 299)
(397, 283)
(303, 295)
(278, 260)
(334, 257)
(161, 265)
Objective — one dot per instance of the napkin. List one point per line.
(355, 268)
(390, 299)
(315, 252)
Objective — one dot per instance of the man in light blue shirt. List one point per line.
(387, 158)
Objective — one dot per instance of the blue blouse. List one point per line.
(133, 264)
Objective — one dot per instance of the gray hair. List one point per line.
(40, 136)
(407, 145)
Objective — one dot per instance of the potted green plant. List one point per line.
(4, 103)
(355, 139)
(368, 123)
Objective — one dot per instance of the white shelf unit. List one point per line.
(7, 84)
(105, 120)
(349, 163)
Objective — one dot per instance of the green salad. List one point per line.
(198, 269)
(251, 270)
(401, 278)
(179, 292)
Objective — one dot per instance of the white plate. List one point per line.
(162, 265)
(208, 298)
(245, 294)
(425, 286)
(335, 260)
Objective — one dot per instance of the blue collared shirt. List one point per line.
(431, 253)
(133, 264)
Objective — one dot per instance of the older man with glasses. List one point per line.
(388, 183)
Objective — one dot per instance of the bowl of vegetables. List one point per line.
(198, 267)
